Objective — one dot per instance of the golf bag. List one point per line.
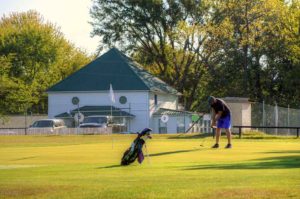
(135, 150)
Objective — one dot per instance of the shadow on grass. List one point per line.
(282, 152)
(111, 166)
(234, 136)
(151, 155)
(259, 137)
(172, 152)
(24, 158)
(191, 136)
(269, 137)
(280, 162)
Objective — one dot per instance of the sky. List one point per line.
(72, 16)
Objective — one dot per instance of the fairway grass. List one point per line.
(179, 166)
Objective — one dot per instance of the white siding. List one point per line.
(172, 123)
(240, 113)
(236, 113)
(163, 101)
(154, 124)
(246, 109)
(137, 104)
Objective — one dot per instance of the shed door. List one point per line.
(162, 127)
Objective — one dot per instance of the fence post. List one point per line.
(276, 117)
(26, 121)
(129, 120)
(264, 115)
(288, 117)
(297, 132)
(240, 132)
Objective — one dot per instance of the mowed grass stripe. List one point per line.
(88, 167)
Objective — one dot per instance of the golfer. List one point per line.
(221, 118)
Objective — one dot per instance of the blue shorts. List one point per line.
(224, 122)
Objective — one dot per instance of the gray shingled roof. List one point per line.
(96, 110)
(114, 68)
(164, 111)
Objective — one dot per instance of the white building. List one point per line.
(240, 110)
(140, 98)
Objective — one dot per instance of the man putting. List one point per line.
(221, 118)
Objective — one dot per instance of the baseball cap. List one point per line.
(211, 99)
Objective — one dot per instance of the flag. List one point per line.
(111, 94)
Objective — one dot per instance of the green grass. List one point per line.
(88, 167)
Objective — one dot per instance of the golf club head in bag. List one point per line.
(135, 150)
(145, 134)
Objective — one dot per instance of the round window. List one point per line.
(75, 100)
(123, 100)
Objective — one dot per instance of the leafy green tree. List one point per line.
(244, 48)
(258, 49)
(282, 83)
(5, 84)
(167, 36)
(39, 57)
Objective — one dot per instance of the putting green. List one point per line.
(178, 167)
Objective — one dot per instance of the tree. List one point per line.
(169, 37)
(5, 83)
(283, 58)
(240, 48)
(39, 56)
(259, 49)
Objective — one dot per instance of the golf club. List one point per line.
(214, 131)
(147, 154)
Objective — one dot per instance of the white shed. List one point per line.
(240, 110)
(139, 96)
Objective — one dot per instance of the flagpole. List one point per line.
(112, 137)
(112, 100)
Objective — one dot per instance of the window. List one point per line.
(43, 124)
(59, 123)
(75, 100)
(155, 99)
(162, 126)
(180, 125)
(122, 100)
(99, 120)
(119, 120)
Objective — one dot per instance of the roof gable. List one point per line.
(114, 68)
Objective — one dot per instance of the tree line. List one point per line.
(242, 48)
(34, 55)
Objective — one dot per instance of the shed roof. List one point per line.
(171, 112)
(96, 110)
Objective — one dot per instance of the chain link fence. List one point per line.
(123, 120)
(136, 117)
(268, 115)
(20, 125)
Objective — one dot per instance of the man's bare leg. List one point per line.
(228, 134)
(218, 135)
